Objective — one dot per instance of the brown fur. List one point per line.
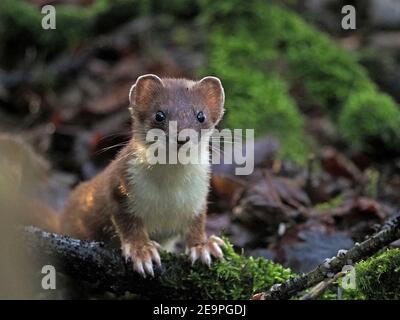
(195, 235)
(95, 208)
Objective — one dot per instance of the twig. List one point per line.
(389, 233)
(320, 288)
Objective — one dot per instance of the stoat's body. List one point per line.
(141, 202)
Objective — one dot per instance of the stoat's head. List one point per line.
(157, 103)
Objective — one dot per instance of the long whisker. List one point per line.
(122, 144)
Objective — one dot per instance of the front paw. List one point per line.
(142, 254)
(204, 251)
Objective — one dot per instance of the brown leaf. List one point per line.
(271, 200)
(336, 164)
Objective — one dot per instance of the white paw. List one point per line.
(204, 251)
(142, 256)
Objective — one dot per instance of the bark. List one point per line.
(103, 269)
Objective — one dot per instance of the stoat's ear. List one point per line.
(213, 95)
(144, 90)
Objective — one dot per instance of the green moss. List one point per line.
(260, 50)
(331, 204)
(329, 74)
(347, 294)
(379, 277)
(353, 294)
(257, 96)
(237, 277)
(371, 119)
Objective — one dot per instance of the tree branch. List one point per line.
(104, 270)
(389, 233)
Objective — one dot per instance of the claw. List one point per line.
(193, 255)
(148, 267)
(216, 250)
(156, 244)
(138, 267)
(218, 240)
(156, 257)
(126, 249)
(205, 256)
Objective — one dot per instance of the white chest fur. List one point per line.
(167, 197)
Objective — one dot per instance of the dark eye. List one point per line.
(200, 116)
(160, 116)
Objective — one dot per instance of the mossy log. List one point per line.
(237, 277)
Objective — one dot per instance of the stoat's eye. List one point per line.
(160, 116)
(200, 116)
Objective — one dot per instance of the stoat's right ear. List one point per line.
(144, 90)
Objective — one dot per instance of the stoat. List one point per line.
(144, 203)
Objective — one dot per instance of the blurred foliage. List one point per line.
(260, 50)
(21, 26)
(331, 204)
(372, 188)
(257, 97)
(379, 276)
(371, 119)
(265, 39)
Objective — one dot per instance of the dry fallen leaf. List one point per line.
(336, 164)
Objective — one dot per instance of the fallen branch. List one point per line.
(389, 233)
(104, 270)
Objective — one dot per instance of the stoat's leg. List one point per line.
(136, 244)
(198, 246)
